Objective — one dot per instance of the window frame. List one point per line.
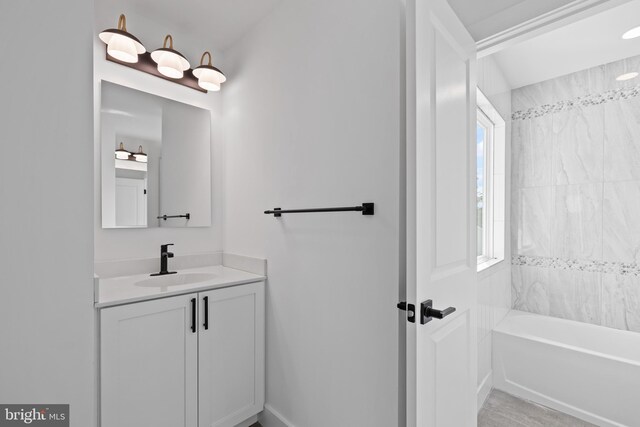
(488, 208)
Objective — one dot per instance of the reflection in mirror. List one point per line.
(156, 161)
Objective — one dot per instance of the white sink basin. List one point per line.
(175, 280)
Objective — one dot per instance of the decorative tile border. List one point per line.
(581, 101)
(621, 268)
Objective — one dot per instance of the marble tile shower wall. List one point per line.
(575, 213)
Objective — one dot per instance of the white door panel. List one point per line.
(441, 259)
(451, 148)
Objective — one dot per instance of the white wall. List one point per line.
(119, 244)
(313, 118)
(46, 239)
(494, 283)
(185, 166)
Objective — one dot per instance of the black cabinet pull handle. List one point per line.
(206, 313)
(193, 315)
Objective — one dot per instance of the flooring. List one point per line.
(504, 410)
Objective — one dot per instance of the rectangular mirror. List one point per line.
(155, 160)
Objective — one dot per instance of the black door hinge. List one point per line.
(411, 310)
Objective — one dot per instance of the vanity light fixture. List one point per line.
(140, 155)
(171, 63)
(632, 33)
(166, 62)
(121, 44)
(209, 77)
(627, 76)
(121, 153)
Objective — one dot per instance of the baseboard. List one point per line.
(484, 389)
(272, 418)
(249, 422)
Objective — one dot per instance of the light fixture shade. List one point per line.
(121, 153)
(171, 63)
(140, 155)
(209, 77)
(120, 44)
(631, 34)
(208, 85)
(627, 76)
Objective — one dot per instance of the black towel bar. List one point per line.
(365, 208)
(165, 217)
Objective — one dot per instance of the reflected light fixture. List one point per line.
(120, 44)
(140, 155)
(627, 76)
(632, 33)
(171, 63)
(121, 153)
(209, 77)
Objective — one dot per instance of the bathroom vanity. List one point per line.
(181, 349)
(184, 349)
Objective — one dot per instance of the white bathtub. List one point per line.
(588, 371)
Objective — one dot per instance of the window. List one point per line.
(484, 147)
(490, 180)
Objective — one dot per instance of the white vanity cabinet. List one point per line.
(194, 360)
(231, 352)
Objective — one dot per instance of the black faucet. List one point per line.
(164, 257)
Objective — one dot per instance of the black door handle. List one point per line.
(206, 313)
(411, 310)
(427, 312)
(193, 315)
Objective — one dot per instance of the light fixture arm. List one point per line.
(207, 53)
(170, 39)
(122, 22)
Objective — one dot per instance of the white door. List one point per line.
(131, 202)
(148, 363)
(441, 253)
(231, 355)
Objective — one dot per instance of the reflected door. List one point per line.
(131, 203)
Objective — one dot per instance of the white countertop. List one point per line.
(127, 289)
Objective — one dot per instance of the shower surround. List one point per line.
(575, 214)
